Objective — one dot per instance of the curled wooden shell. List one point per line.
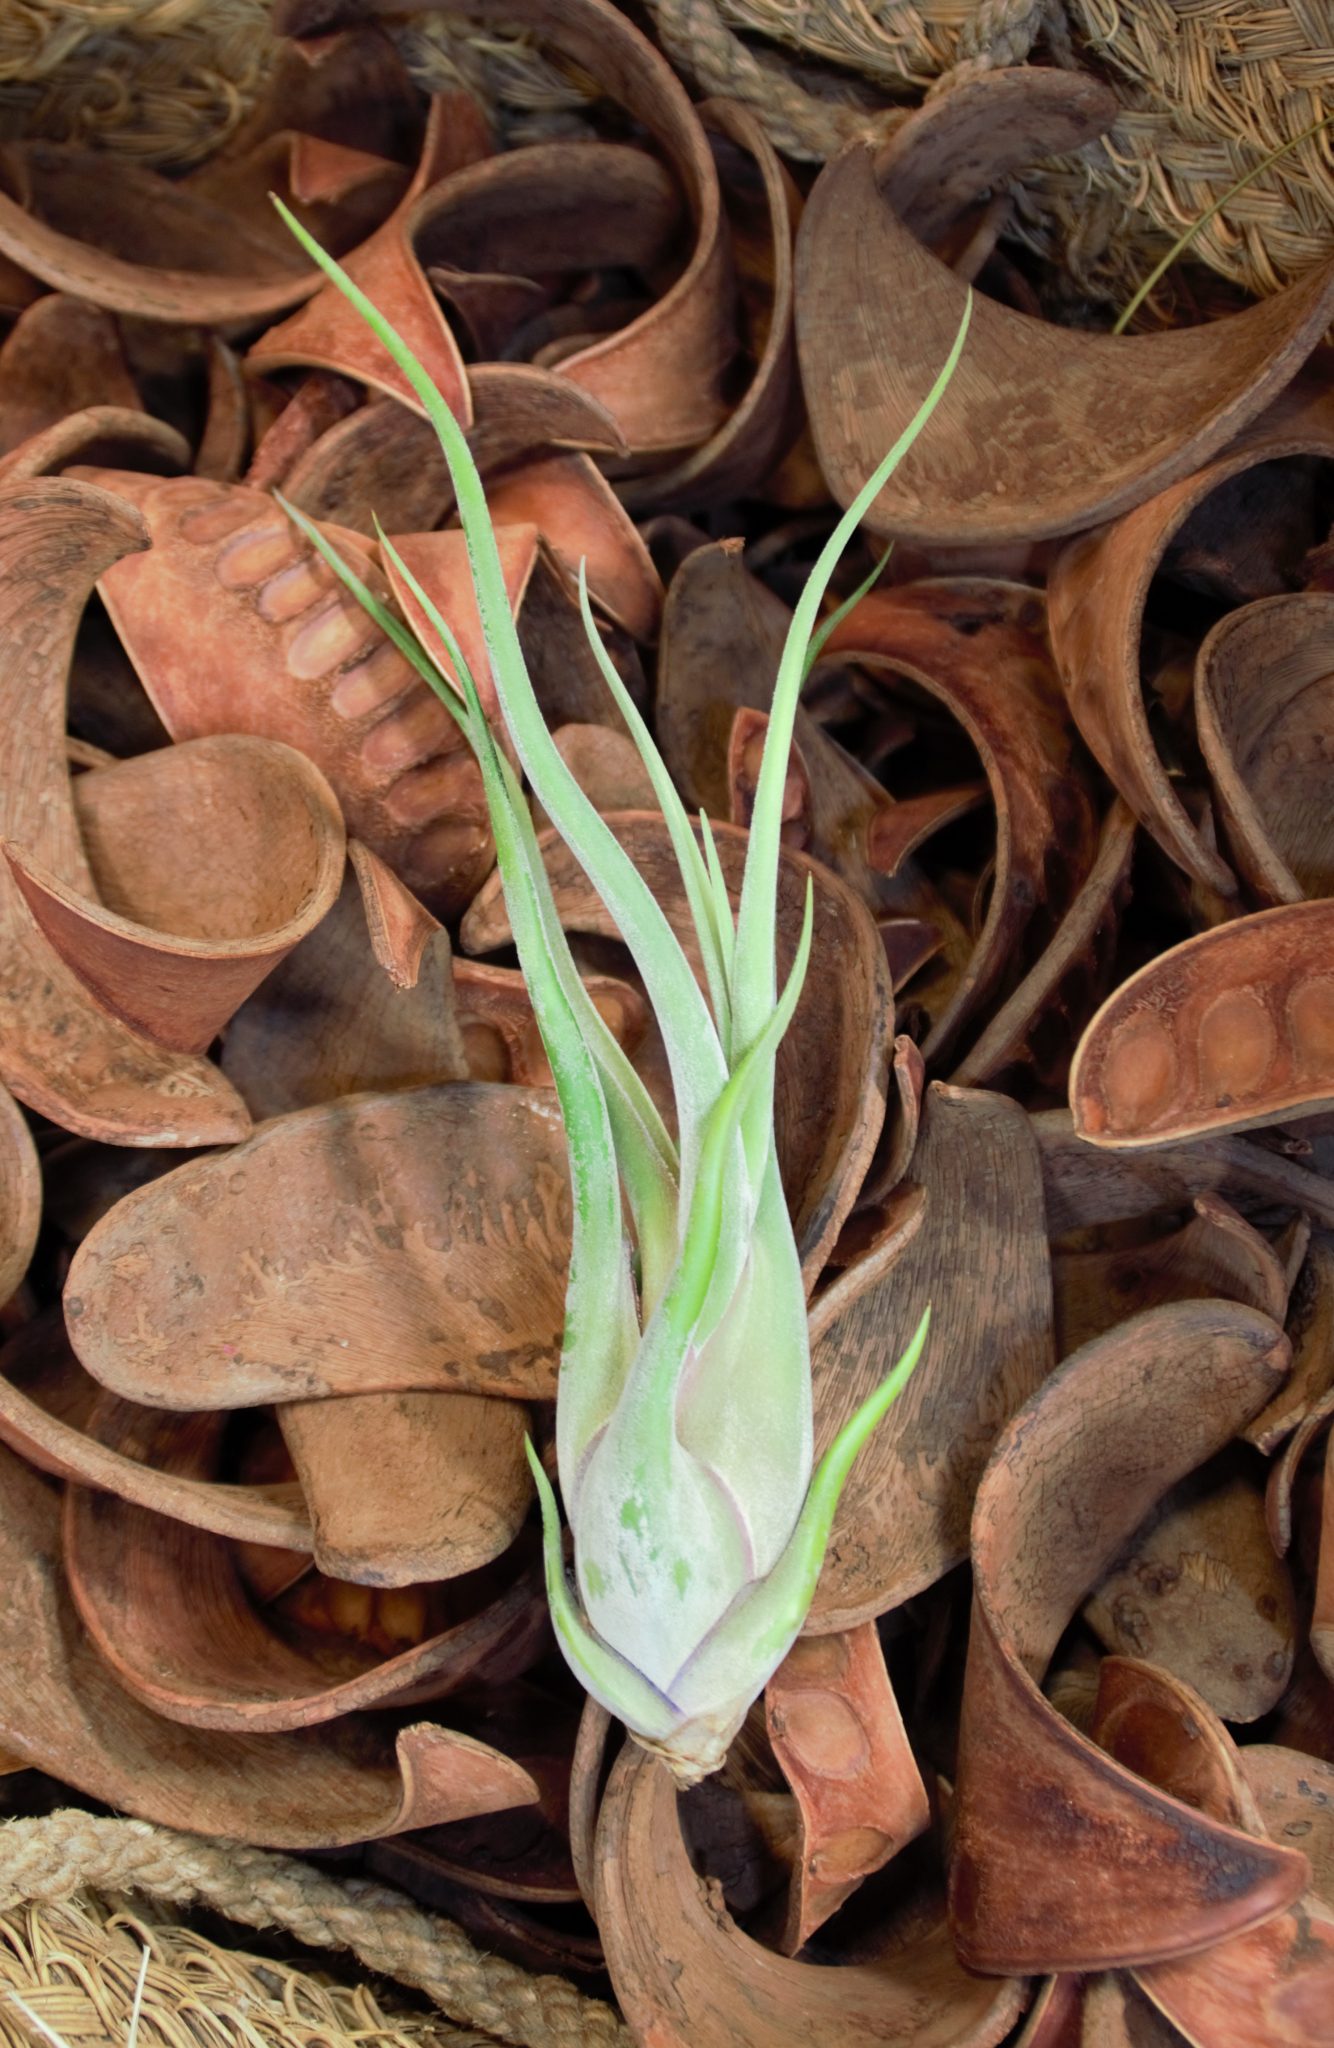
(60, 355)
(1264, 711)
(1310, 1329)
(739, 455)
(335, 1253)
(1294, 1795)
(168, 1612)
(1229, 1031)
(61, 1709)
(1085, 1184)
(1006, 457)
(978, 647)
(1030, 1037)
(20, 1196)
(106, 436)
(902, 1521)
(687, 1977)
(1117, 1874)
(1216, 1253)
(406, 1488)
(62, 1052)
(972, 139)
(41, 1379)
(1270, 1986)
(845, 1004)
(83, 232)
(838, 1734)
(331, 1020)
(277, 648)
(660, 377)
(172, 958)
(579, 515)
(1098, 591)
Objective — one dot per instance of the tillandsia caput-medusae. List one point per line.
(683, 1416)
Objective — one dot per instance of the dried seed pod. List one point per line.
(687, 1977)
(1199, 1591)
(762, 207)
(279, 649)
(979, 648)
(1264, 710)
(903, 1518)
(166, 1608)
(1099, 589)
(1087, 1185)
(876, 313)
(1216, 1253)
(175, 960)
(325, 335)
(20, 1196)
(336, 1253)
(62, 1052)
(1229, 1031)
(61, 1709)
(45, 1400)
(838, 1734)
(1030, 1037)
(61, 355)
(1055, 1505)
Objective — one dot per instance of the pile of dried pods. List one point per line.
(283, 1235)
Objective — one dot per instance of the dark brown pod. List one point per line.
(1232, 1030)
(687, 1977)
(979, 647)
(1085, 1184)
(762, 207)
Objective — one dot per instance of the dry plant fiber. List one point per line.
(71, 1944)
(1207, 88)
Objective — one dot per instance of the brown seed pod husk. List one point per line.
(1043, 431)
(1117, 1874)
(1229, 1031)
(1098, 592)
(1264, 711)
(902, 1521)
(63, 1053)
(61, 1710)
(174, 959)
(334, 1254)
(839, 1737)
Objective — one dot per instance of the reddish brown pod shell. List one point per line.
(1232, 1030)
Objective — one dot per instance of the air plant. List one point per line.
(683, 1423)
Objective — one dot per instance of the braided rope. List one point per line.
(48, 1860)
